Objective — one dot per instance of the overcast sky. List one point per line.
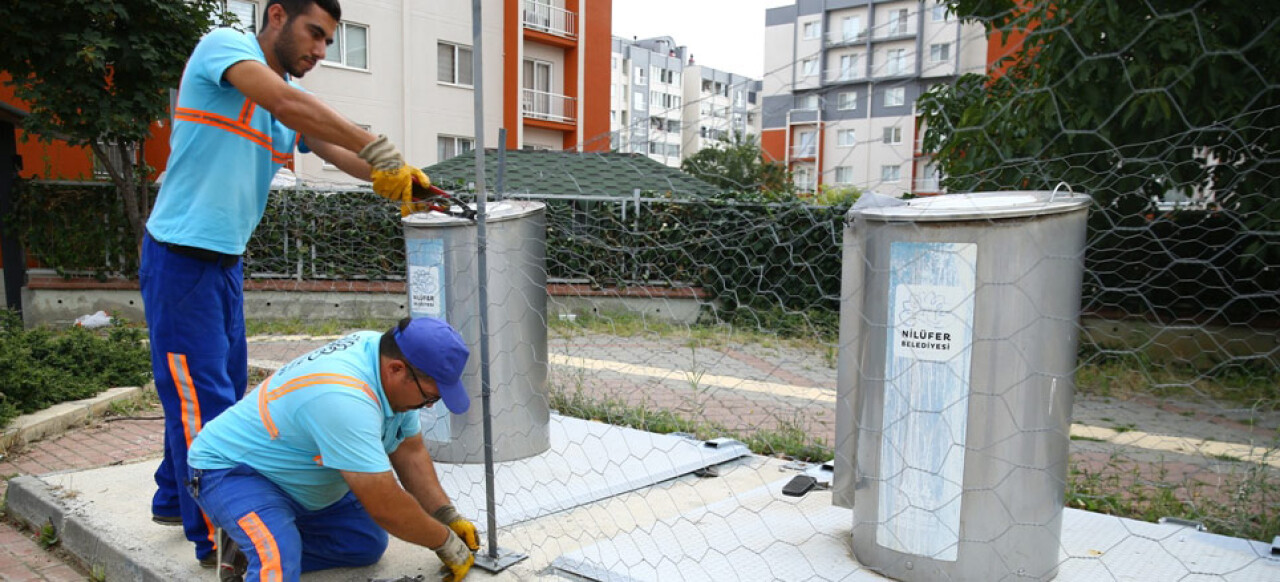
(722, 34)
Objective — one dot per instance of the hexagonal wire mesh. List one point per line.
(719, 315)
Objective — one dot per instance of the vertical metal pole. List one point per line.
(495, 560)
(15, 262)
(500, 191)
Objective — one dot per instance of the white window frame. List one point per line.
(340, 42)
(641, 76)
(849, 66)
(891, 174)
(809, 67)
(850, 28)
(847, 101)
(252, 26)
(895, 61)
(458, 143)
(812, 29)
(844, 175)
(895, 97)
(456, 73)
(892, 135)
(809, 102)
(846, 138)
(939, 12)
(638, 100)
(898, 22)
(940, 52)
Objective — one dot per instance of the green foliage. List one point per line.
(48, 535)
(737, 163)
(42, 367)
(1119, 98)
(78, 228)
(100, 72)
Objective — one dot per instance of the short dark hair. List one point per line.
(295, 7)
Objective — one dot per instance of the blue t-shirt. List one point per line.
(224, 152)
(325, 411)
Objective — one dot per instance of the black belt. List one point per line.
(223, 260)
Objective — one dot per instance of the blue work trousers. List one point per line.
(195, 318)
(281, 538)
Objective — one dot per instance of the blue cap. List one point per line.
(434, 347)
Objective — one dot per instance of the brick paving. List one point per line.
(98, 444)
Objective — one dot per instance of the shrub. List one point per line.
(42, 367)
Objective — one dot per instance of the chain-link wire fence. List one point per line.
(732, 316)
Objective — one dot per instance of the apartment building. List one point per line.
(404, 69)
(841, 81)
(665, 105)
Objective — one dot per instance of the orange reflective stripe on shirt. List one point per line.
(265, 396)
(265, 546)
(246, 112)
(237, 127)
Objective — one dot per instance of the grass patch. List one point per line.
(699, 335)
(1242, 502)
(788, 440)
(1087, 439)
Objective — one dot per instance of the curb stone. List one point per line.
(56, 419)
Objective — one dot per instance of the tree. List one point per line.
(737, 163)
(1117, 97)
(98, 74)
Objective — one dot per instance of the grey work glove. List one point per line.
(382, 155)
(456, 556)
(449, 516)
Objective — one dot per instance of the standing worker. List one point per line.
(299, 474)
(238, 119)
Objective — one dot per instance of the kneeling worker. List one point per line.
(298, 474)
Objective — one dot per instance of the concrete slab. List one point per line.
(102, 515)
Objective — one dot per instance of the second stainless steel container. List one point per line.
(443, 282)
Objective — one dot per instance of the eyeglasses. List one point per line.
(429, 400)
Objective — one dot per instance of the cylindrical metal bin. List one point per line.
(960, 322)
(443, 282)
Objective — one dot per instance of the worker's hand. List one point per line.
(449, 516)
(456, 557)
(392, 178)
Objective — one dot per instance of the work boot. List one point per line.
(232, 563)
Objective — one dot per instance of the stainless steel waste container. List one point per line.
(443, 282)
(958, 349)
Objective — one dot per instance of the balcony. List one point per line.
(840, 38)
(551, 19)
(804, 151)
(927, 185)
(550, 107)
(847, 76)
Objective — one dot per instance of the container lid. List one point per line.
(980, 205)
(494, 212)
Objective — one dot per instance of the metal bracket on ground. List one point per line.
(499, 560)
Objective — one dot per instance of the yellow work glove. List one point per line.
(392, 178)
(460, 525)
(456, 557)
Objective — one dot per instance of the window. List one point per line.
(851, 28)
(638, 101)
(848, 66)
(940, 52)
(737, 98)
(846, 138)
(350, 46)
(893, 135)
(848, 101)
(895, 97)
(804, 178)
(809, 67)
(453, 64)
(667, 76)
(115, 155)
(806, 144)
(641, 76)
(448, 146)
(246, 15)
(897, 22)
(939, 13)
(812, 30)
(844, 175)
(890, 173)
(807, 101)
(896, 61)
